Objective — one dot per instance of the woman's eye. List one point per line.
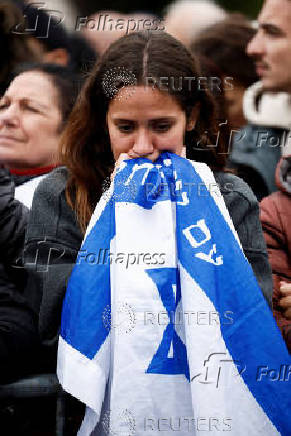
(125, 128)
(30, 108)
(3, 106)
(162, 127)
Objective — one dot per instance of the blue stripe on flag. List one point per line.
(254, 338)
(85, 282)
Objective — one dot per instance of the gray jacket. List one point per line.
(53, 239)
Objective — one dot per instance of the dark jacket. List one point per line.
(18, 323)
(276, 221)
(54, 238)
(256, 149)
(254, 157)
(13, 219)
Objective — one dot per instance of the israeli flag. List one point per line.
(164, 327)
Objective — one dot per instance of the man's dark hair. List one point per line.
(81, 56)
(14, 48)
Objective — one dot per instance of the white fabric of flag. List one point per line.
(164, 327)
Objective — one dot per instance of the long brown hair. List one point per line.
(85, 144)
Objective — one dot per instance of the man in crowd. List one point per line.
(271, 50)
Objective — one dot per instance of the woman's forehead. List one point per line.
(143, 100)
(32, 85)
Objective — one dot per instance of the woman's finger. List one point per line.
(183, 152)
(287, 313)
(285, 288)
(121, 158)
(285, 302)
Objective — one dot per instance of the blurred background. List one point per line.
(248, 7)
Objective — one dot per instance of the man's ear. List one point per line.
(194, 115)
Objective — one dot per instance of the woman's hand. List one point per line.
(124, 156)
(121, 158)
(285, 300)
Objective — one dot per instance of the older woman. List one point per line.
(33, 112)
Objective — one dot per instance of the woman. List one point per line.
(225, 58)
(33, 112)
(108, 123)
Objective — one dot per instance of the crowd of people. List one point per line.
(63, 134)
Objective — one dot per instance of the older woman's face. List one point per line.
(29, 122)
(143, 122)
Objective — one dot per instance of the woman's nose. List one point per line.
(9, 117)
(143, 144)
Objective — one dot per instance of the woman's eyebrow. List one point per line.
(123, 120)
(163, 118)
(6, 97)
(33, 101)
(156, 119)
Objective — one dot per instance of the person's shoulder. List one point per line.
(50, 214)
(50, 191)
(55, 181)
(52, 187)
(277, 203)
(276, 197)
(239, 198)
(232, 187)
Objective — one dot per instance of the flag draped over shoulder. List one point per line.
(164, 327)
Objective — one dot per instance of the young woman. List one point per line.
(143, 97)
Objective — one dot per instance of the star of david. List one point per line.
(171, 355)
